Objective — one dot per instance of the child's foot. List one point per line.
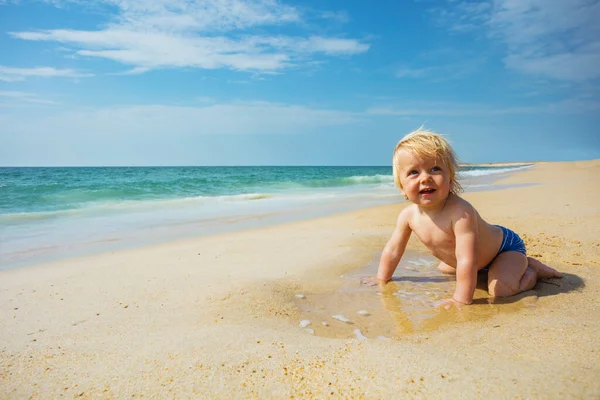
(543, 271)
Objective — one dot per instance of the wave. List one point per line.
(39, 202)
(491, 171)
(35, 215)
(348, 181)
(249, 196)
(126, 206)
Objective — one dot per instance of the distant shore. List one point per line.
(498, 164)
(218, 316)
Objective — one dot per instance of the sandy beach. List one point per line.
(219, 316)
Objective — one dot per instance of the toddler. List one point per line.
(425, 169)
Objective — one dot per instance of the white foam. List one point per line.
(491, 171)
(341, 318)
(439, 303)
(407, 295)
(359, 335)
(304, 323)
(308, 330)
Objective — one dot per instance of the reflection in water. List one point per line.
(410, 303)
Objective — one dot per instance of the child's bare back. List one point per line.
(425, 171)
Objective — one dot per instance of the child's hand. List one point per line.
(449, 303)
(372, 281)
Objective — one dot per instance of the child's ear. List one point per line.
(404, 194)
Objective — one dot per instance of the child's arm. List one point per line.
(466, 235)
(394, 249)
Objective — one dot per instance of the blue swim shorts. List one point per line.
(510, 242)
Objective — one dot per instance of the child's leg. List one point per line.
(543, 271)
(446, 269)
(509, 274)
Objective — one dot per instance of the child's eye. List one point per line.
(413, 172)
(436, 169)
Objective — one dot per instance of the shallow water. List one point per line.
(409, 303)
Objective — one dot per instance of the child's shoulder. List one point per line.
(408, 213)
(459, 205)
(409, 210)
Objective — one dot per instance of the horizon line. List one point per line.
(515, 163)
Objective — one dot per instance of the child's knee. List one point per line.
(498, 288)
(446, 269)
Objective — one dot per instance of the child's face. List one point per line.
(426, 182)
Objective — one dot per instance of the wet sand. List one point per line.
(407, 305)
(221, 316)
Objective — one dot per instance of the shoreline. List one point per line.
(216, 316)
(172, 232)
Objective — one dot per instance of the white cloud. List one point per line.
(552, 38)
(256, 117)
(206, 34)
(202, 15)
(462, 16)
(133, 71)
(164, 121)
(555, 38)
(446, 109)
(448, 70)
(457, 109)
(8, 74)
(338, 16)
(16, 98)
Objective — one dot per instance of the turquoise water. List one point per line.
(51, 213)
(47, 190)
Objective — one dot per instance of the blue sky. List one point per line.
(266, 82)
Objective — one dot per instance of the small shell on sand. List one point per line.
(364, 312)
(324, 323)
(304, 323)
(341, 318)
(300, 296)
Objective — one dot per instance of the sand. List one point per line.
(218, 317)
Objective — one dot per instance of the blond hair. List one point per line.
(424, 143)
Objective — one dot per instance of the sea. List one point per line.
(53, 213)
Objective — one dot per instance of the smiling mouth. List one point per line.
(427, 191)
